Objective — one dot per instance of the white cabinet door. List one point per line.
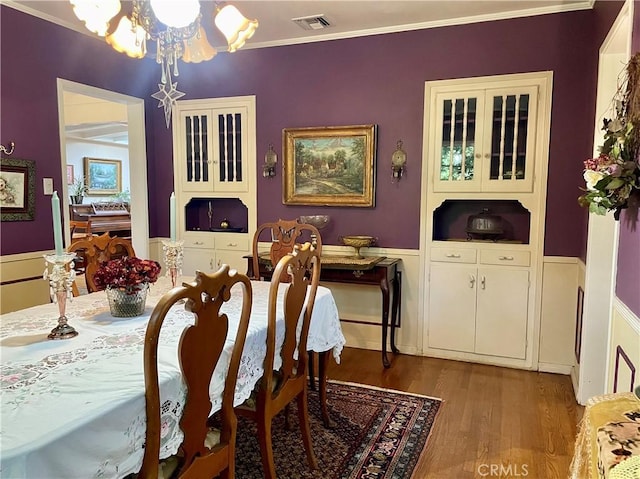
(458, 140)
(194, 163)
(198, 259)
(452, 307)
(213, 150)
(501, 318)
(484, 138)
(508, 151)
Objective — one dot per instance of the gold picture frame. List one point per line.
(102, 177)
(329, 166)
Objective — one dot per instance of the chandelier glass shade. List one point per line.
(236, 28)
(96, 13)
(173, 27)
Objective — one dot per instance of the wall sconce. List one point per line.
(7, 150)
(270, 160)
(398, 160)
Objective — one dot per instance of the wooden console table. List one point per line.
(379, 271)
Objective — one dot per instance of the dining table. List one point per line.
(75, 408)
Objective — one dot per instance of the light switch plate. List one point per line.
(47, 185)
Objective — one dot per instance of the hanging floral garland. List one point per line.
(613, 178)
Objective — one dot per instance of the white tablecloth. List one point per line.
(75, 408)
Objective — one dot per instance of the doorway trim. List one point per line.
(137, 151)
(602, 236)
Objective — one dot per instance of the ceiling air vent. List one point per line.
(312, 22)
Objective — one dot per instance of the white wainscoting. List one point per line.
(558, 318)
(22, 283)
(623, 358)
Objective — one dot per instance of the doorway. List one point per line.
(602, 239)
(133, 127)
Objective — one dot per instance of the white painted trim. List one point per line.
(9, 258)
(555, 368)
(137, 150)
(625, 313)
(560, 259)
(603, 232)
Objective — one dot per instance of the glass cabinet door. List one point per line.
(510, 142)
(458, 138)
(214, 150)
(485, 140)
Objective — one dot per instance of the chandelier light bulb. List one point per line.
(176, 14)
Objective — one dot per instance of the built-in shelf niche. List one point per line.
(450, 219)
(230, 209)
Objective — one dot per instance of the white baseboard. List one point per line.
(555, 368)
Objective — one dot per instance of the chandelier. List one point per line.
(168, 30)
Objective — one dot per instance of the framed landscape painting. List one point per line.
(103, 177)
(17, 189)
(330, 166)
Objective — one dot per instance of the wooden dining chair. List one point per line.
(80, 229)
(93, 250)
(283, 235)
(278, 388)
(203, 453)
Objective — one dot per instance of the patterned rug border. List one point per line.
(378, 388)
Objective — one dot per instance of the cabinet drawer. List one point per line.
(453, 255)
(231, 242)
(510, 258)
(203, 240)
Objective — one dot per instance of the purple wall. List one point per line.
(33, 53)
(378, 79)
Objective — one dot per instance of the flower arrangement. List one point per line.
(613, 177)
(126, 273)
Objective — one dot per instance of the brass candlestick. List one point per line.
(60, 280)
(173, 254)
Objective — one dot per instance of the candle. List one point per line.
(172, 216)
(57, 225)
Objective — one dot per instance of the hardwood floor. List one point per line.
(494, 422)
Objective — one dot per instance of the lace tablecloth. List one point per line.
(609, 436)
(75, 408)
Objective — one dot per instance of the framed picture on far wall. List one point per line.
(70, 176)
(17, 189)
(103, 177)
(330, 166)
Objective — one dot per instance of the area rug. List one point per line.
(378, 434)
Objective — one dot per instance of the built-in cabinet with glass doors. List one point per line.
(486, 150)
(214, 166)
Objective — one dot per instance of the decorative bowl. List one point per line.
(319, 221)
(357, 242)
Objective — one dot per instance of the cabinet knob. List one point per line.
(505, 258)
(211, 264)
(232, 244)
(198, 242)
(453, 255)
(478, 155)
(472, 281)
(483, 283)
(487, 155)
